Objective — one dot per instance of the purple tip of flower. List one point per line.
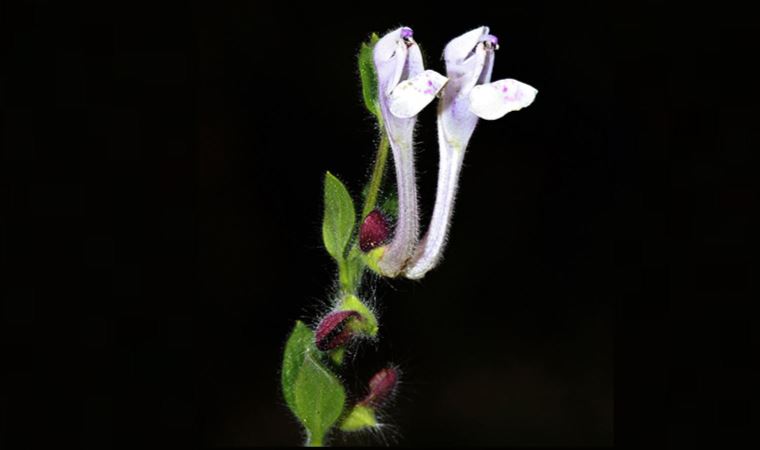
(374, 231)
(490, 40)
(406, 32)
(381, 387)
(333, 331)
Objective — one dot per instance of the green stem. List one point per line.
(314, 441)
(344, 275)
(351, 268)
(377, 176)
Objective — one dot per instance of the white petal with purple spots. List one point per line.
(493, 100)
(411, 96)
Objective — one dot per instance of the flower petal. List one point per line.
(460, 47)
(386, 47)
(389, 55)
(492, 101)
(410, 96)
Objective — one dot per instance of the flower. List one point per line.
(468, 95)
(404, 89)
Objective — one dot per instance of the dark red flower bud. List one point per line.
(374, 231)
(381, 387)
(333, 331)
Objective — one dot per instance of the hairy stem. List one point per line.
(315, 441)
(351, 269)
(377, 176)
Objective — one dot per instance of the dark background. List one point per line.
(162, 170)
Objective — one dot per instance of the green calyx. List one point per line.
(368, 325)
(372, 258)
(360, 417)
(337, 355)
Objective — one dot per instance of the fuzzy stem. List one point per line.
(314, 442)
(377, 176)
(344, 275)
(352, 268)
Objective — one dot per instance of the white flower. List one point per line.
(405, 88)
(468, 95)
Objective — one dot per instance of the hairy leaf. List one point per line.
(339, 218)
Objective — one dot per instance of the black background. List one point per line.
(162, 166)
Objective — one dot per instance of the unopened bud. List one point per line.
(374, 231)
(334, 330)
(381, 386)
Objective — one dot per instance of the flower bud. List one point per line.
(374, 231)
(381, 386)
(334, 330)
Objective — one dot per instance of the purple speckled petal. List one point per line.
(492, 101)
(411, 96)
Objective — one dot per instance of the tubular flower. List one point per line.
(404, 89)
(468, 95)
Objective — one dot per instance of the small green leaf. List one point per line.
(299, 342)
(359, 418)
(339, 218)
(319, 398)
(369, 76)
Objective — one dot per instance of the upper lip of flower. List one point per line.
(459, 48)
(469, 59)
(393, 48)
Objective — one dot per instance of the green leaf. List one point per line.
(319, 398)
(339, 218)
(369, 76)
(300, 341)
